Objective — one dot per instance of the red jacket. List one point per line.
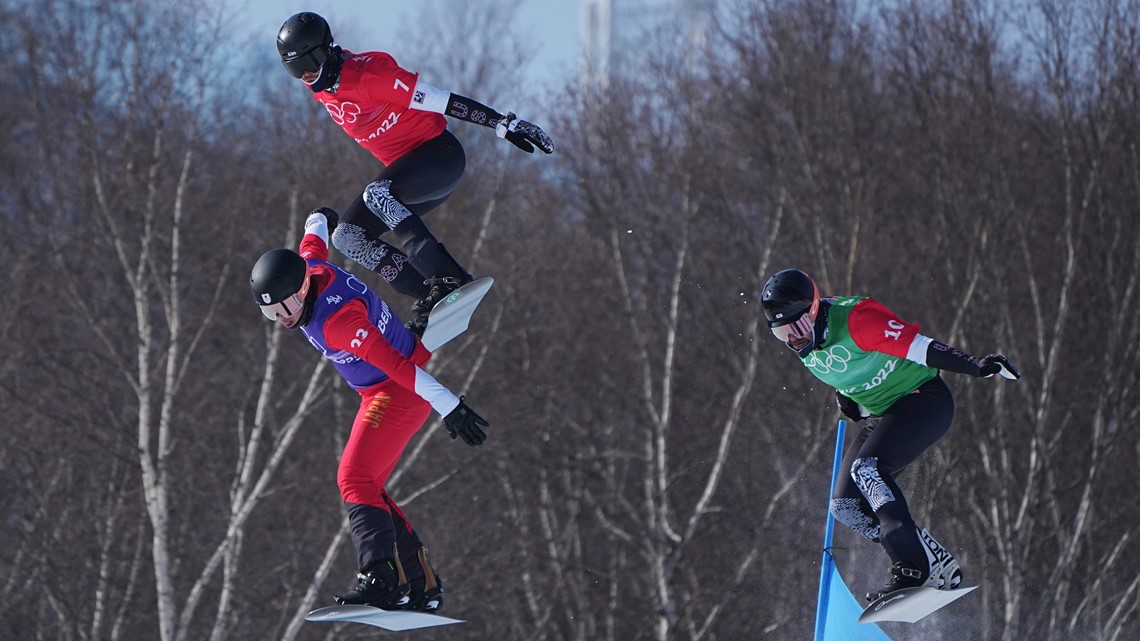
(372, 102)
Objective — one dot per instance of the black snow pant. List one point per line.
(369, 524)
(394, 201)
(869, 499)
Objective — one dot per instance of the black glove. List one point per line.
(999, 364)
(463, 421)
(849, 407)
(522, 133)
(331, 217)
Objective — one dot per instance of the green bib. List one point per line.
(873, 379)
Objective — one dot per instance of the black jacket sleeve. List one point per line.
(472, 111)
(952, 359)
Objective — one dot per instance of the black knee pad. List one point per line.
(852, 513)
(353, 241)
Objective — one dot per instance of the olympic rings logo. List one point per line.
(342, 114)
(832, 360)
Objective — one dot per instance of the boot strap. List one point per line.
(430, 582)
(401, 578)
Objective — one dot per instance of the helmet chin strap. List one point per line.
(309, 304)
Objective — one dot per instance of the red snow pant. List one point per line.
(388, 417)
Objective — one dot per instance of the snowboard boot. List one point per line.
(383, 586)
(945, 573)
(901, 577)
(426, 594)
(440, 288)
(942, 571)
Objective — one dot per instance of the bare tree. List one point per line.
(657, 463)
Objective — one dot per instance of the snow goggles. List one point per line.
(799, 329)
(288, 310)
(311, 60)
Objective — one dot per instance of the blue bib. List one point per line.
(345, 287)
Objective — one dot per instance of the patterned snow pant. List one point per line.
(388, 417)
(394, 201)
(869, 500)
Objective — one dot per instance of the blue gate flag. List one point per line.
(837, 614)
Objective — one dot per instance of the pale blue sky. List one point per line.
(551, 25)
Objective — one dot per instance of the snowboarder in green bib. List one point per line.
(886, 375)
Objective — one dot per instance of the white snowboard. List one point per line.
(911, 604)
(450, 316)
(395, 620)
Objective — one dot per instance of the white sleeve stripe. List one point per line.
(427, 97)
(918, 347)
(316, 224)
(429, 389)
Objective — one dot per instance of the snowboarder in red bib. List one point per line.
(399, 118)
(887, 375)
(383, 361)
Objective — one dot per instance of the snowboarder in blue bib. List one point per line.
(344, 320)
(887, 376)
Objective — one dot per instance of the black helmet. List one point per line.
(791, 303)
(304, 43)
(279, 282)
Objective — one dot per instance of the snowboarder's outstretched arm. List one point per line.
(522, 134)
(874, 327)
(952, 359)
